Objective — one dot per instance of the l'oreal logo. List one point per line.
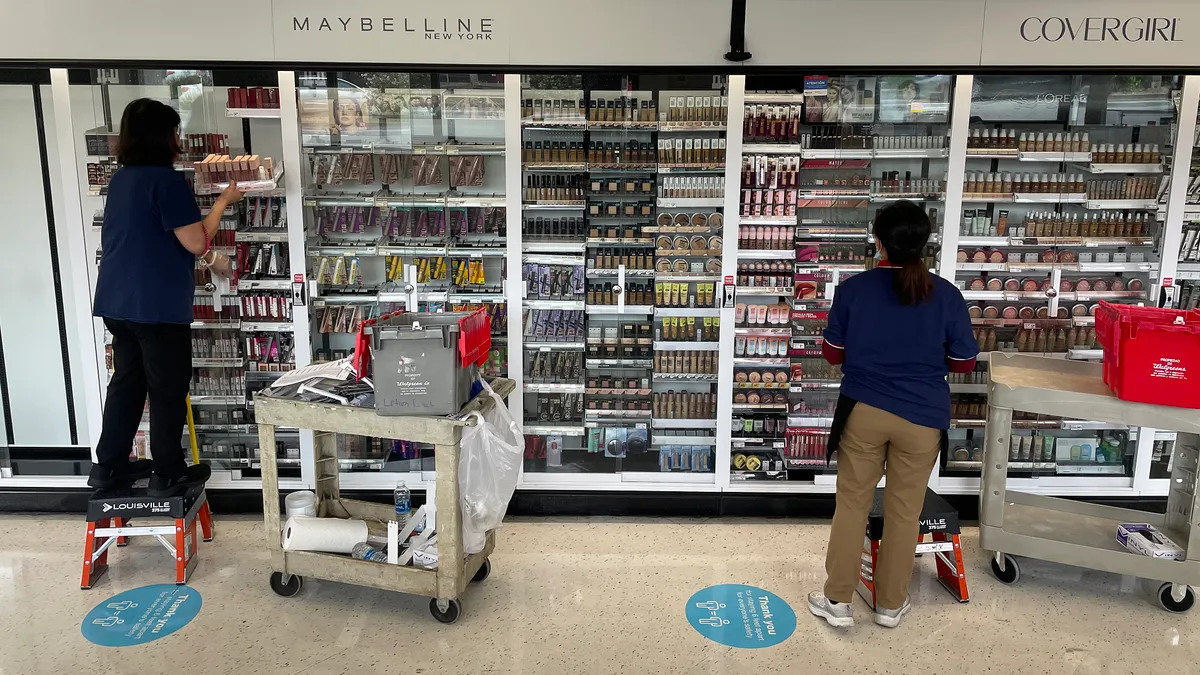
(1100, 29)
(430, 28)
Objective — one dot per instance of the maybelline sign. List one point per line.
(427, 28)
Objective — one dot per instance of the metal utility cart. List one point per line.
(446, 584)
(1075, 533)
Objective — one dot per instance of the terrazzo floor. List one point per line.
(576, 596)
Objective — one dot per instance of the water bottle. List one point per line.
(403, 502)
(364, 551)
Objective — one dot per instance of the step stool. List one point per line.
(939, 520)
(108, 522)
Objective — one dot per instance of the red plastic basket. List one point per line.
(1151, 354)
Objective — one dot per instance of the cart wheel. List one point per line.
(1011, 572)
(1168, 603)
(485, 571)
(453, 610)
(289, 588)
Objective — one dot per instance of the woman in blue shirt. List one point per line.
(896, 330)
(153, 232)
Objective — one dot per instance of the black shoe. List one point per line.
(103, 478)
(195, 476)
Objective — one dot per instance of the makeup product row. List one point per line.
(553, 282)
(828, 183)
(539, 108)
(216, 345)
(1050, 255)
(558, 408)
(1026, 312)
(772, 347)
(770, 274)
(1052, 224)
(815, 369)
(761, 376)
(601, 232)
(640, 186)
(697, 108)
(757, 427)
(626, 351)
(761, 316)
(740, 461)
(629, 385)
(359, 167)
(599, 402)
(692, 458)
(686, 362)
(684, 405)
(627, 333)
(469, 272)
(622, 109)
(252, 97)
(1189, 249)
(204, 309)
(773, 122)
(339, 271)
(554, 366)
(553, 325)
(99, 174)
(638, 294)
(910, 142)
(619, 209)
(691, 222)
(1004, 184)
(890, 183)
(1189, 295)
(557, 152)
(689, 150)
(809, 324)
(691, 187)
(266, 214)
(1128, 188)
(497, 315)
(766, 238)
(977, 376)
(688, 329)
(217, 382)
(632, 152)
(346, 219)
(834, 137)
(769, 172)
(554, 228)
(216, 168)
(808, 447)
(1133, 153)
(340, 319)
(678, 294)
(1028, 285)
(1028, 141)
(664, 265)
(264, 306)
(555, 188)
(1039, 340)
(763, 398)
(196, 146)
(429, 268)
(683, 245)
(612, 258)
(831, 253)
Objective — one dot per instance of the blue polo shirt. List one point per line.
(146, 275)
(896, 354)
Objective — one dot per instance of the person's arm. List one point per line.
(961, 348)
(196, 236)
(834, 346)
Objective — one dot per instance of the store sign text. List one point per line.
(431, 29)
(1100, 29)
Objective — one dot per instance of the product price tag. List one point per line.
(640, 425)
(543, 349)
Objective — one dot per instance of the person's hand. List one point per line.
(220, 264)
(231, 195)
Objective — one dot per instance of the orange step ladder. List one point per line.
(939, 521)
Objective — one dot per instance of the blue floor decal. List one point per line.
(741, 616)
(141, 615)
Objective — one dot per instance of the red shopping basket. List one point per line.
(1151, 354)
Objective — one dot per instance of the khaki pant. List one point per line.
(871, 439)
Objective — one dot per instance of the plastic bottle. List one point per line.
(364, 551)
(403, 501)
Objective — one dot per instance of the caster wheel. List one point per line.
(1011, 572)
(1168, 603)
(453, 610)
(485, 571)
(291, 587)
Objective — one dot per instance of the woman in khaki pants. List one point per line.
(897, 330)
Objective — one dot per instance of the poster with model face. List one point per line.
(856, 97)
(914, 99)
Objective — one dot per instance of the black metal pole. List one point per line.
(737, 33)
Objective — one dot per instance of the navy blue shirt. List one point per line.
(146, 275)
(896, 354)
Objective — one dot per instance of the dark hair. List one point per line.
(903, 228)
(149, 134)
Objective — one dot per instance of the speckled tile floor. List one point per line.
(576, 596)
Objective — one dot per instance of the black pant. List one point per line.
(154, 358)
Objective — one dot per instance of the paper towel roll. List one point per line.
(331, 535)
(302, 503)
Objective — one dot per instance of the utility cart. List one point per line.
(1070, 532)
(454, 572)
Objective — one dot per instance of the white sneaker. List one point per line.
(890, 618)
(840, 615)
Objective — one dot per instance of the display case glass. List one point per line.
(242, 330)
(1066, 179)
(820, 156)
(404, 209)
(623, 181)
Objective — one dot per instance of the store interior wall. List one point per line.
(29, 321)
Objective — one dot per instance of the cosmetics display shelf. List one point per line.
(647, 165)
(253, 113)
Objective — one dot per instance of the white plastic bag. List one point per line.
(489, 464)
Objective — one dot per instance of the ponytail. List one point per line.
(903, 230)
(912, 283)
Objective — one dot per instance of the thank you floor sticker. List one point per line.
(141, 615)
(741, 616)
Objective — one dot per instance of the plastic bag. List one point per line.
(489, 465)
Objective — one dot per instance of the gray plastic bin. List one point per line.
(416, 367)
